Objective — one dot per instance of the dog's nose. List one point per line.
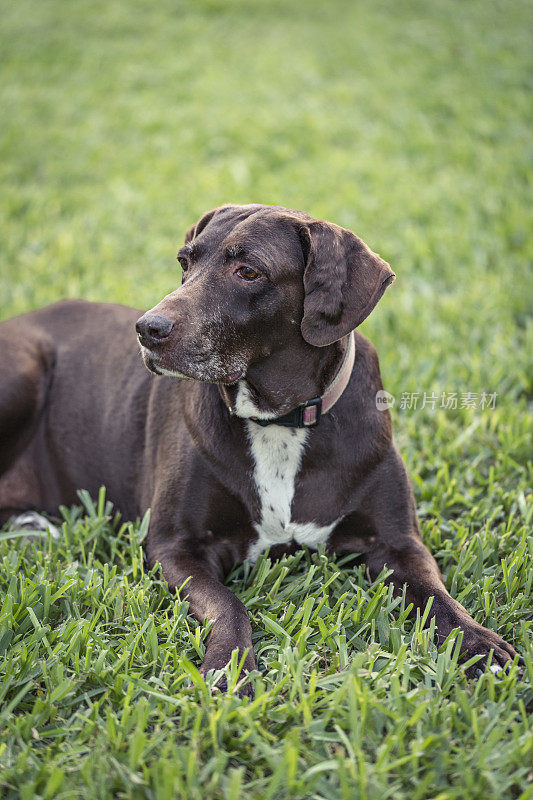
(153, 328)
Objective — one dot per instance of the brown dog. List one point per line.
(260, 430)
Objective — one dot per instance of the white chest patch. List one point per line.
(277, 454)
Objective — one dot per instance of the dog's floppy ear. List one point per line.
(198, 227)
(343, 281)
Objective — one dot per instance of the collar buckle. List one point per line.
(304, 416)
(310, 413)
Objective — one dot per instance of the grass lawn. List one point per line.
(410, 123)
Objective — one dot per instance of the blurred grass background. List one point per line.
(408, 122)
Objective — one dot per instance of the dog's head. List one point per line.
(259, 281)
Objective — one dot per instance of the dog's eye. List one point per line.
(184, 263)
(248, 274)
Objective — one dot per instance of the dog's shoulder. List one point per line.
(360, 409)
(366, 364)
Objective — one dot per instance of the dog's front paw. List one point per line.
(243, 688)
(217, 658)
(479, 641)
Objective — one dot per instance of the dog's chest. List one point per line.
(277, 454)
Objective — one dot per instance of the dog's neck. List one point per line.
(283, 381)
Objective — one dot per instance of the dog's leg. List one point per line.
(390, 536)
(26, 368)
(26, 361)
(415, 566)
(209, 599)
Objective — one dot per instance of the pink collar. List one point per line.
(308, 415)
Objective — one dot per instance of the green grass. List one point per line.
(410, 123)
